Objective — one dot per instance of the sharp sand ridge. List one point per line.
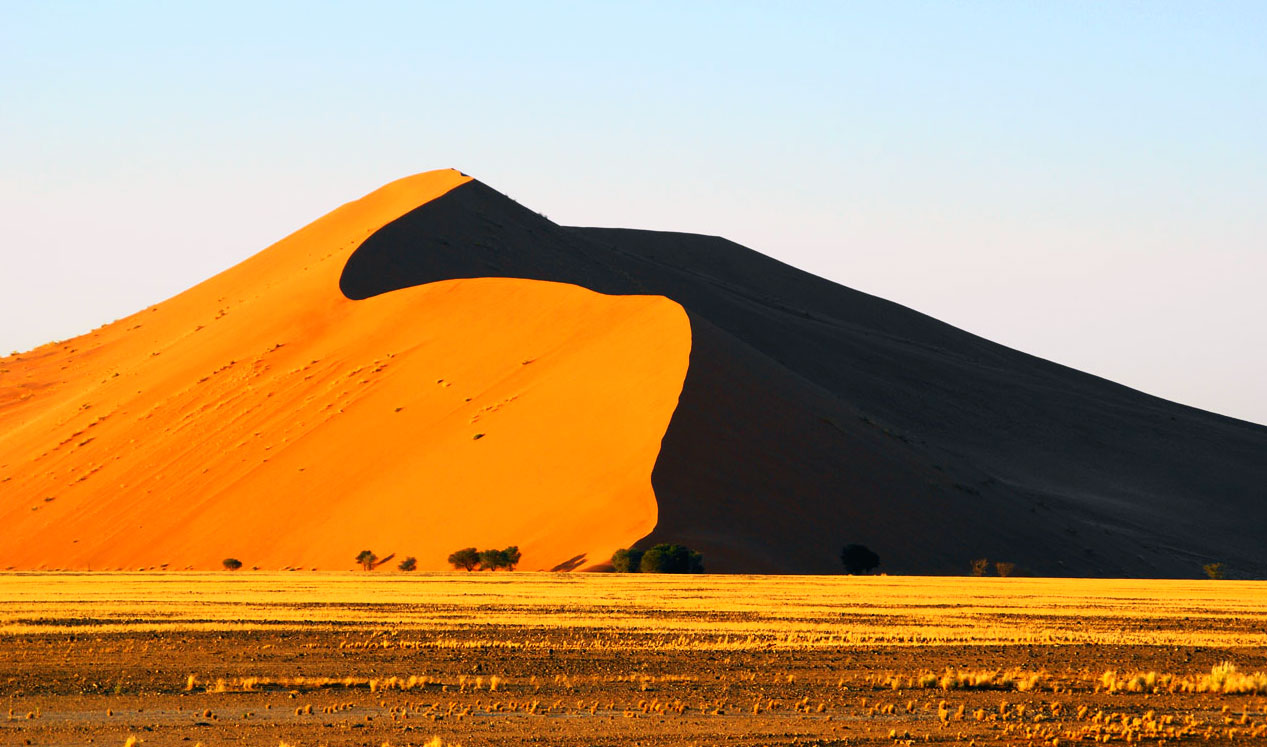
(263, 415)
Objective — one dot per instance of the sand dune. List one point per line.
(629, 386)
(262, 415)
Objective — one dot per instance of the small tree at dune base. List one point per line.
(408, 564)
(1005, 569)
(490, 560)
(626, 560)
(469, 558)
(510, 557)
(465, 559)
(1214, 571)
(858, 559)
(667, 558)
(980, 566)
(366, 559)
(231, 564)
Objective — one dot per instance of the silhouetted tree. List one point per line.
(666, 558)
(408, 564)
(858, 559)
(367, 559)
(510, 557)
(626, 560)
(466, 559)
(980, 566)
(231, 564)
(491, 560)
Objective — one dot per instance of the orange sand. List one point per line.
(262, 415)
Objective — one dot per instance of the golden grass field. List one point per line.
(587, 659)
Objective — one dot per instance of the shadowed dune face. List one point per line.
(263, 415)
(813, 415)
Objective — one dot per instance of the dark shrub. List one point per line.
(408, 564)
(858, 559)
(466, 559)
(671, 559)
(231, 564)
(696, 562)
(626, 561)
(491, 560)
(510, 557)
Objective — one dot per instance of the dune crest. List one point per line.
(265, 416)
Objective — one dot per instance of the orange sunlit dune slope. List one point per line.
(263, 415)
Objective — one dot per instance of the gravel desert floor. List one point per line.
(601, 659)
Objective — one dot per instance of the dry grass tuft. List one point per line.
(1018, 680)
(373, 684)
(1223, 678)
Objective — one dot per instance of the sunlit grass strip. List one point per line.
(1223, 678)
(372, 684)
(613, 612)
(690, 637)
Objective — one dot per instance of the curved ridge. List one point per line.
(264, 416)
(814, 415)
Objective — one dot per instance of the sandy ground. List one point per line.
(354, 659)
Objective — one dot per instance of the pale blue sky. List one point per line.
(1083, 181)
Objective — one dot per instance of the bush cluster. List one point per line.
(469, 558)
(663, 558)
(369, 560)
(859, 559)
(981, 567)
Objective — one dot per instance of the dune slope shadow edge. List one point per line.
(813, 415)
(263, 417)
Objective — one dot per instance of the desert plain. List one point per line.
(357, 658)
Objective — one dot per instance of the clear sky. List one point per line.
(1084, 181)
